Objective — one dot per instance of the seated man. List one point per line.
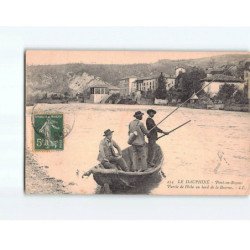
(107, 155)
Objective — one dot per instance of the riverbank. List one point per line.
(37, 181)
(149, 102)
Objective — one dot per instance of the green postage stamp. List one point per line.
(48, 132)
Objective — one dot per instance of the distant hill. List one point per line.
(168, 66)
(41, 79)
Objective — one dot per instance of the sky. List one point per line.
(40, 57)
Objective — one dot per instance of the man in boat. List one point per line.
(152, 136)
(107, 155)
(138, 144)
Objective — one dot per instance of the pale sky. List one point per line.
(35, 57)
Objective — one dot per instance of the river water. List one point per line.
(215, 145)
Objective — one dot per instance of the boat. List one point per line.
(118, 181)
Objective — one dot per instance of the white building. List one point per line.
(151, 83)
(218, 80)
(247, 77)
(127, 85)
(98, 92)
(179, 70)
(170, 82)
(147, 83)
(194, 98)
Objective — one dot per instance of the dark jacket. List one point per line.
(150, 123)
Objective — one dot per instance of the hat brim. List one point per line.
(151, 111)
(138, 114)
(111, 132)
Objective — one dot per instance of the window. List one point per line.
(97, 91)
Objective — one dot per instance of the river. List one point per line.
(215, 145)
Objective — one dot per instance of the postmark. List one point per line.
(48, 132)
(68, 117)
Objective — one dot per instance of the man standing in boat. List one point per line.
(107, 155)
(152, 136)
(138, 130)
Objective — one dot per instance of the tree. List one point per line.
(149, 94)
(241, 96)
(227, 70)
(211, 63)
(240, 69)
(226, 92)
(66, 94)
(190, 82)
(161, 92)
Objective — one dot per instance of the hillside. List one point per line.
(71, 78)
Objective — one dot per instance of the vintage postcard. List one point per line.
(137, 122)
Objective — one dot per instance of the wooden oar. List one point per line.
(174, 129)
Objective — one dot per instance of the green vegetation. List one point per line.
(228, 93)
(161, 92)
(187, 83)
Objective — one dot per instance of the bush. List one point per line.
(226, 92)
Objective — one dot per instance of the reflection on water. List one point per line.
(192, 151)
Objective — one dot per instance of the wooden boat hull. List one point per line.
(117, 181)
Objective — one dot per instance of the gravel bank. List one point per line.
(37, 181)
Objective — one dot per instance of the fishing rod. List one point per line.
(178, 107)
(174, 129)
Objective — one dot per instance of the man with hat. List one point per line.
(138, 144)
(152, 136)
(107, 155)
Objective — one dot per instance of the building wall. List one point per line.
(214, 87)
(170, 82)
(131, 85)
(160, 101)
(247, 80)
(152, 84)
(247, 76)
(137, 96)
(147, 84)
(179, 70)
(127, 85)
(114, 91)
(98, 93)
(96, 98)
(124, 86)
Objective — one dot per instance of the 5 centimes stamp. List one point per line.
(48, 132)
